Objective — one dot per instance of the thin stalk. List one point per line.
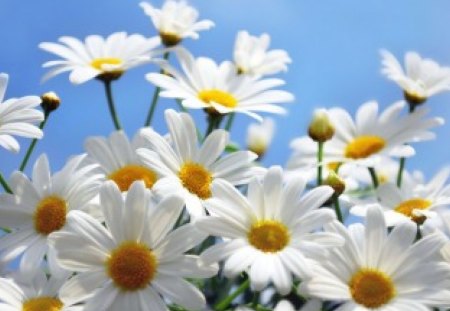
(319, 162)
(223, 305)
(112, 108)
(155, 98)
(5, 184)
(230, 122)
(33, 143)
(401, 168)
(255, 300)
(418, 234)
(337, 208)
(373, 174)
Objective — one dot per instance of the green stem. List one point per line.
(112, 109)
(25, 160)
(337, 208)
(373, 174)
(5, 184)
(213, 123)
(255, 300)
(400, 172)
(230, 122)
(155, 98)
(223, 305)
(319, 162)
(182, 108)
(418, 234)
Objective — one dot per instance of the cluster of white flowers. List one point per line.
(189, 221)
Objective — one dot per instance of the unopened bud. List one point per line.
(50, 102)
(320, 129)
(334, 181)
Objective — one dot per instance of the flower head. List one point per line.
(260, 135)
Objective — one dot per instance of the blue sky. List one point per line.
(334, 46)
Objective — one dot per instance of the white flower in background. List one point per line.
(175, 21)
(271, 233)
(206, 84)
(17, 117)
(118, 159)
(189, 170)
(413, 201)
(260, 135)
(39, 207)
(421, 78)
(377, 271)
(136, 258)
(370, 137)
(35, 292)
(252, 57)
(386, 170)
(98, 57)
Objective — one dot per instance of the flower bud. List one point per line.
(50, 102)
(320, 129)
(259, 136)
(334, 181)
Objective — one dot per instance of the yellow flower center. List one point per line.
(196, 179)
(407, 207)
(220, 97)
(128, 174)
(98, 63)
(382, 178)
(269, 236)
(50, 215)
(371, 288)
(364, 146)
(42, 304)
(333, 166)
(132, 266)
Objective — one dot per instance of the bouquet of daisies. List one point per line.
(188, 220)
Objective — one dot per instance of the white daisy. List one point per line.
(189, 170)
(371, 136)
(260, 135)
(377, 271)
(252, 57)
(413, 201)
(175, 21)
(39, 207)
(271, 233)
(136, 258)
(421, 78)
(25, 292)
(119, 161)
(205, 84)
(17, 117)
(98, 57)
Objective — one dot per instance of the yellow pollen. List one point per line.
(132, 266)
(42, 304)
(98, 63)
(269, 236)
(364, 146)
(128, 174)
(50, 215)
(371, 288)
(407, 207)
(382, 178)
(220, 97)
(196, 179)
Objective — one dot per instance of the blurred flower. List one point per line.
(175, 21)
(97, 57)
(206, 84)
(39, 207)
(17, 117)
(421, 79)
(260, 135)
(375, 270)
(187, 169)
(136, 258)
(321, 129)
(252, 57)
(50, 101)
(271, 232)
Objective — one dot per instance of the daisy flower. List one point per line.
(260, 135)
(252, 57)
(421, 78)
(98, 57)
(39, 207)
(370, 136)
(175, 21)
(377, 271)
(118, 159)
(271, 233)
(189, 170)
(36, 292)
(205, 84)
(17, 117)
(134, 260)
(413, 201)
